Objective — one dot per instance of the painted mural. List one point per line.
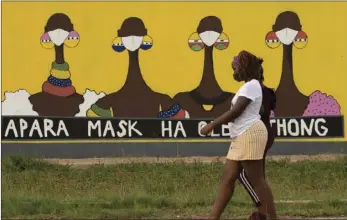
(287, 30)
(149, 70)
(207, 100)
(58, 96)
(135, 98)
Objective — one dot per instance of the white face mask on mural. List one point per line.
(132, 43)
(58, 36)
(286, 35)
(209, 37)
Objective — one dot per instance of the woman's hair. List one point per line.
(248, 66)
(261, 69)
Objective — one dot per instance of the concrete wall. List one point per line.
(88, 150)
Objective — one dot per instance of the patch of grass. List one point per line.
(24, 163)
(33, 188)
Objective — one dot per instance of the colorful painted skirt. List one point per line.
(250, 145)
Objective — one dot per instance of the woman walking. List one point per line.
(269, 104)
(249, 138)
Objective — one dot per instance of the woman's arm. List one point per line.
(247, 93)
(240, 105)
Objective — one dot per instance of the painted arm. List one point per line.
(96, 111)
(169, 110)
(101, 108)
(175, 111)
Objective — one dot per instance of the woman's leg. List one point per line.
(269, 143)
(264, 167)
(264, 161)
(226, 188)
(243, 178)
(254, 170)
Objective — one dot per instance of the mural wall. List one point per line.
(165, 60)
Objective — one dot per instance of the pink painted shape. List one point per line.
(322, 105)
(73, 34)
(45, 37)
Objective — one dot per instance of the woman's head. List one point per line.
(247, 66)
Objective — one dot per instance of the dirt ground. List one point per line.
(120, 160)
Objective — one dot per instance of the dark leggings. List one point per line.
(243, 176)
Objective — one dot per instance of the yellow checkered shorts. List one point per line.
(250, 145)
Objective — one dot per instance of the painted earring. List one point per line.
(195, 43)
(117, 45)
(271, 40)
(222, 42)
(147, 43)
(46, 42)
(72, 40)
(301, 40)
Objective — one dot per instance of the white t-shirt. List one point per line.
(251, 90)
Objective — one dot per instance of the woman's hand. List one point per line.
(207, 129)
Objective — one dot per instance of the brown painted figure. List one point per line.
(287, 31)
(135, 98)
(58, 96)
(207, 99)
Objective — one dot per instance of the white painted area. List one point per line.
(132, 43)
(58, 36)
(209, 37)
(90, 98)
(17, 103)
(186, 114)
(286, 35)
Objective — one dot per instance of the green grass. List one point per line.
(32, 188)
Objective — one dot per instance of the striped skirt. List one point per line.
(250, 145)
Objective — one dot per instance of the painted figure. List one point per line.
(135, 98)
(207, 99)
(58, 96)
(287, 31)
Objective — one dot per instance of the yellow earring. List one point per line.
(271, 40)
(301, 40)
(46, 42)
(72, 40)
(147, 43)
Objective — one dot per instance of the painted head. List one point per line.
(287, 30)
(209, 33)
(59, 31)
(132, 36)
(247, 66)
